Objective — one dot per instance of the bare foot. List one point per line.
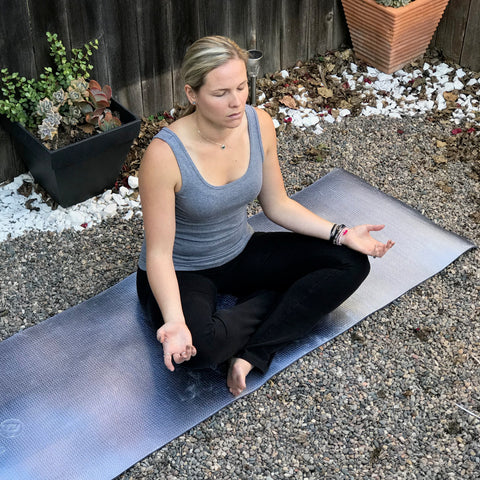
(237, 374)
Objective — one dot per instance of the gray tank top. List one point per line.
(211, 221)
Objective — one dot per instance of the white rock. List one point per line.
(118, 199)
(133, 182)
(310, 120)
(110, 210)
(458, 85)
(449, 86)
(124, 191)
(442, 69)
(75, 217)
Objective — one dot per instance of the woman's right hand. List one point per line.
(177, 343)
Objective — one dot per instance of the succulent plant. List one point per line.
(59, 97)
(394, 3)
(62, 97)
(72, 116)
(108, 122)
(99, 99)
(53, 118)
(44, 107)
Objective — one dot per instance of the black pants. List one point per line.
(284, 281)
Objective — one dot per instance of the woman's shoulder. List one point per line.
(263, 116)
(267, 128)
(159, 166)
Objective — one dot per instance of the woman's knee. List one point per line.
(208, 354)
(356, 266)
(362, 264)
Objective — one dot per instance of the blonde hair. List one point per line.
(206, 54)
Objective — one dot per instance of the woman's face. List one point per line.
(221, 99)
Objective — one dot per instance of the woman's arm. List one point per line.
(289, 214)
(159, 178)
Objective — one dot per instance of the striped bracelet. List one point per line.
(337, 233)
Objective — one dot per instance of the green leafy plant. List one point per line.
(394, 3)
(61, 99)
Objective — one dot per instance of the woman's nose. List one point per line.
(235, 99)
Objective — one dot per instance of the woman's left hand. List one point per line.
(359, 238)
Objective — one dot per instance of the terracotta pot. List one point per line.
(388, 38)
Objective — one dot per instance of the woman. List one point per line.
(196, 179)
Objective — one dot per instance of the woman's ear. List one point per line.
(191, 95)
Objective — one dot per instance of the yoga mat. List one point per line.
(84, 394)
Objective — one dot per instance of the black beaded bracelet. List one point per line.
(337, 232)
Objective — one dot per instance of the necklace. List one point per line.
(221, 145)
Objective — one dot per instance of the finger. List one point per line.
(160, 335)
(167, 359)
(191, 351)
(179, 357)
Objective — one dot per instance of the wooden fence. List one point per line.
(142, 42)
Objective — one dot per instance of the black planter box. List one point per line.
(83, 169)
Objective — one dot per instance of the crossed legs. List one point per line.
(285, 283)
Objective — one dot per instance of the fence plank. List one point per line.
(451, 30)
(17, 54)
(470, 52)
(213, 18)
(294, 38)
(238, 22)
(42, 20)
(122, 47)
(16, 42)
(321, 23)
(267, 32)
(155, 58)
(185, 30)
(10, 164)
(340, 36)
(86, 23)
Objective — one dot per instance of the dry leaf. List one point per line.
(441, 144)
(288, 101)
(325, 92)
(450, 96)
(345, 105)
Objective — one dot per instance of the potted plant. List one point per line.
(388, 34)
(71, 134)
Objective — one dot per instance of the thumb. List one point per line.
(375, 228)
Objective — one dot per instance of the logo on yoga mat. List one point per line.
(11, 428)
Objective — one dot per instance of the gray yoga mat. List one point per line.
(84, 395)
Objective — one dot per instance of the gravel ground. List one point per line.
(378, 402)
